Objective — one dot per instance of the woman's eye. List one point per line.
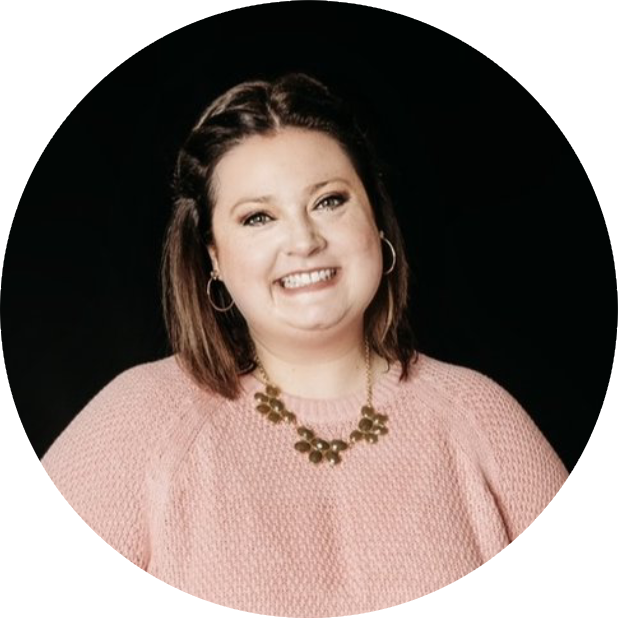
(340, 198)
(335, 196)
(250, 218)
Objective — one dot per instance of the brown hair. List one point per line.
(215, 347)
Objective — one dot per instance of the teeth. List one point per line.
(304, 279)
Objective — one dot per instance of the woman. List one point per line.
(297, 456)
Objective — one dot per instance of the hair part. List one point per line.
(216, 347)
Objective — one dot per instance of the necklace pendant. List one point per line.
(365, 424)
(302, 446)
(276, 405)
(332, 457)
(264, 409)
(338, 445)
(289, 417)
(306, 433)
(272, 391)
(315, 456)
(368, 411)
(320, 444)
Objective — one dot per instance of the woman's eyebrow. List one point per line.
(308, 191)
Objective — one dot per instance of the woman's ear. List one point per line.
(212, 252)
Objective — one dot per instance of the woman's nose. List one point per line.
(304, 237)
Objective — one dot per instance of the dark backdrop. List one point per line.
(513, 272)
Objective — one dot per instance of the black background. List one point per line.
(512, 266)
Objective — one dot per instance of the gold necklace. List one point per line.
(370, 427)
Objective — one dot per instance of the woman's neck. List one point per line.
(325, 380)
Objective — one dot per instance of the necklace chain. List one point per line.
(371, 426)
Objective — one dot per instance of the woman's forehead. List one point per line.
(290, 160)
(285, 148)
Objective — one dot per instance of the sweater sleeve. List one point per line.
(99, 462)
(523, 470)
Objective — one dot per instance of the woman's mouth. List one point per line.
(311, 282)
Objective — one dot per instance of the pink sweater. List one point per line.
(208, 496)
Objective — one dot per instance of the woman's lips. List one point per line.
(305, 272)
(312, 287)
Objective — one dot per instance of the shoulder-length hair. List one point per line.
(216, 347)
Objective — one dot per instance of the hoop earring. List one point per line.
(390, 246)
(214, 277)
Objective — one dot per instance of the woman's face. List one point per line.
(295, 241)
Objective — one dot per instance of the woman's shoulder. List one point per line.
(156, 384)
(164, 370)
(139, 385)
(454, 382)
(139, 422)
(136, 409)
(472, 401)
(434, 366)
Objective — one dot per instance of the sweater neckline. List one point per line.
(331, 410)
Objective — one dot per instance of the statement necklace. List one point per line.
(370, 427)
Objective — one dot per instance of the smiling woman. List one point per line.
(297, 456)
(276, 182)
(312, 260)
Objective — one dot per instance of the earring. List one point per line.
(393, 252)
(215, 275)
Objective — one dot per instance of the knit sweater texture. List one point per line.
(209, 496)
